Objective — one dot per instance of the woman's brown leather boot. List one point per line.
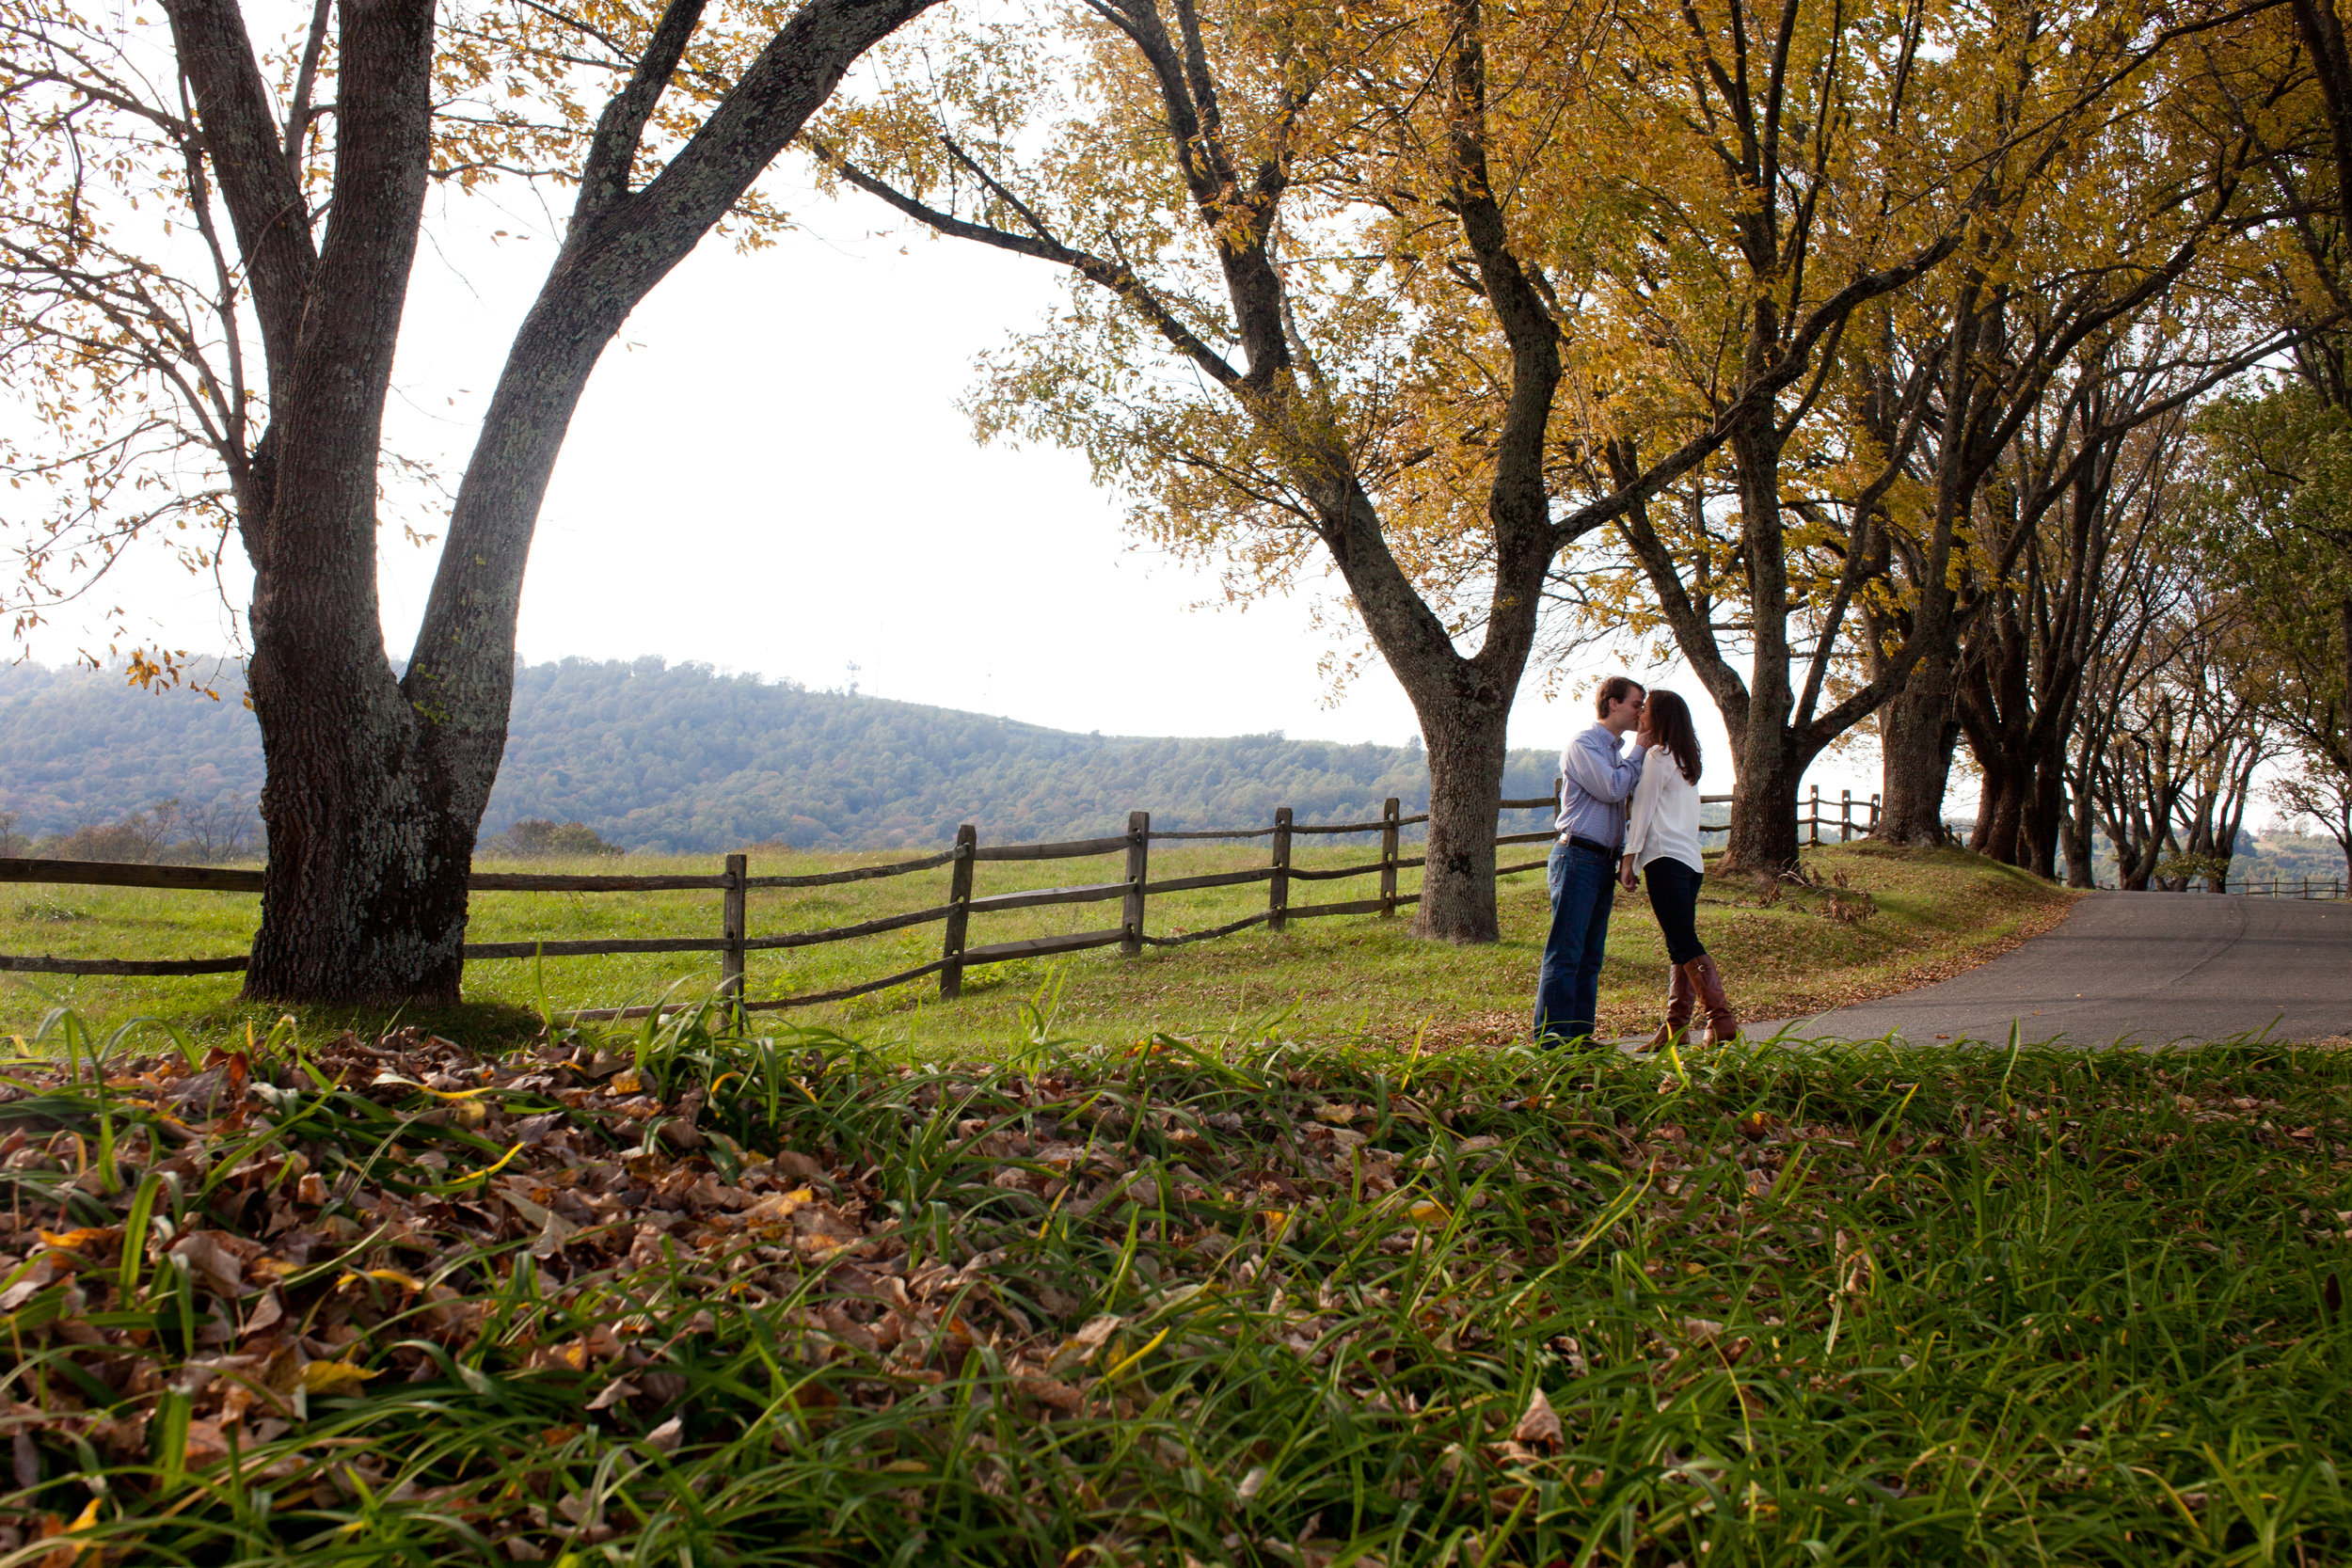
(1723, 1024)
(1681, 997)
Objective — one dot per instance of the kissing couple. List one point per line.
(1623, 818)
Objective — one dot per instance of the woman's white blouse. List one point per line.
(1665, 819)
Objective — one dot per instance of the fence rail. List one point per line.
(1844, 823)
(2275, 887)
(1135, 890)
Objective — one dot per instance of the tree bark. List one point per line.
(2075, 830)
(1999, 810)
(2043, 817)
(1916, 743)
(1764, 837)
(1466, 751)
(357, 897)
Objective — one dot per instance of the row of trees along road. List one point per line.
(1829, 338)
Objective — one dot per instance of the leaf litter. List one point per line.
(788, 1299)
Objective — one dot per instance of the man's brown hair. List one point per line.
(1612, 691)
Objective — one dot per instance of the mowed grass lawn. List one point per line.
(1879, 921)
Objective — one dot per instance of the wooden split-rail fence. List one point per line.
(1845, 822)
(1134, 891)
(2273, 887)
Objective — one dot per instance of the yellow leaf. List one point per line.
(330, 1377)
(66, 1553)
(1428, 1211)
(75, 1241)
(625, 1083)
(776, 1207)
(389, 1276)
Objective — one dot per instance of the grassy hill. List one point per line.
(678, 757)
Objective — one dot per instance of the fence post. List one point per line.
(959, 913)
(1845, 816)
(1815, 819)
(1278, 889)
(1139, 864)
(1874, 813)
(731, 925)
(1388, 814)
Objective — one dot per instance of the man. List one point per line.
(1594, 783)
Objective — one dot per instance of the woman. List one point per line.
(1661, 842)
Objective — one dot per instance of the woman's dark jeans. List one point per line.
(1674, 898)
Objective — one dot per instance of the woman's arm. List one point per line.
(1593, 765)
(1656, 764)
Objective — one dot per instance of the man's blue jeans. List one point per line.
(1584, 892)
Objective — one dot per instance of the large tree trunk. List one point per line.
(2138, 834)
(1464, 703)
(1466, 746)
(2000, 803)
(2000, 811)
(1915, 744)
(2020, 754)
(364, 895)
(2075, 829)
(1764, 837)
(363, 898)
(2043, 816)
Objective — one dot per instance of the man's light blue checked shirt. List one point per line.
(1599, 782)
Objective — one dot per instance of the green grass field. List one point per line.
(1786, 950)
(654, 1297)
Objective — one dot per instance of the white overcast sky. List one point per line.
(769, 473)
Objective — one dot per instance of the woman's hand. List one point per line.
(1624, 873)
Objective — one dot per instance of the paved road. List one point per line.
(2151, 968)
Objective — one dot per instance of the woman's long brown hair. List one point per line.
(1667, 717)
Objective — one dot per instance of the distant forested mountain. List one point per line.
(661, 756)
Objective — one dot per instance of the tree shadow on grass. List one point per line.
(488, 1027)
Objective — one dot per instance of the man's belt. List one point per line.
(1576, 841)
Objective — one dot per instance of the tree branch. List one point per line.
(621, 128)
(298, 114)
(1118, 277)
(241, 135)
